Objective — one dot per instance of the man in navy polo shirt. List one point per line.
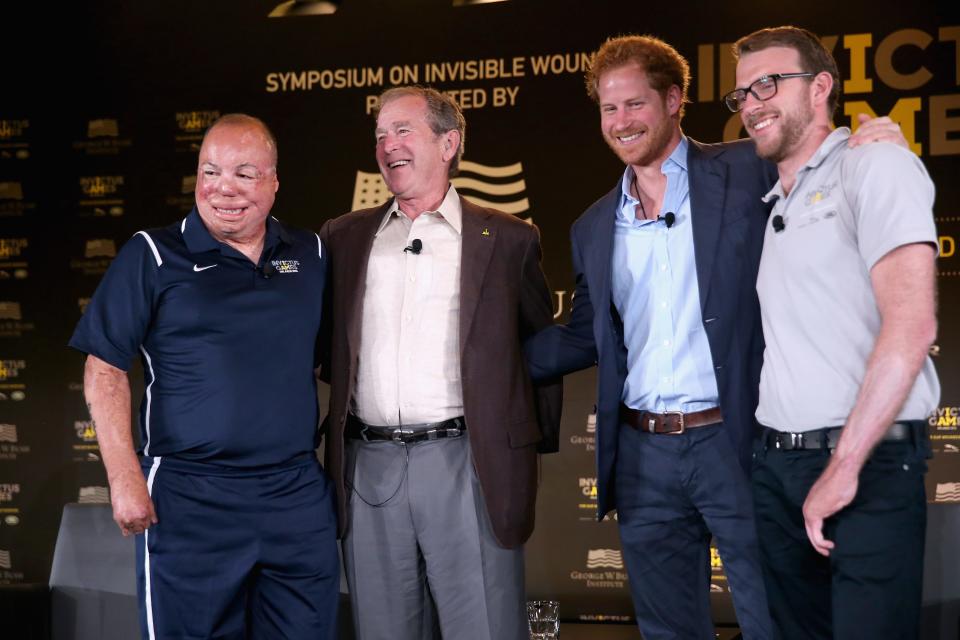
(223, 308)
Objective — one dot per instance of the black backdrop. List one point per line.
(103, 107)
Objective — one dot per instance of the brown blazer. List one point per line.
(504, 298)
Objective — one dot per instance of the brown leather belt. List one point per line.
(671, 422)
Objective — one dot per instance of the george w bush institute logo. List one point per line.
(610, 558)
(501, 188)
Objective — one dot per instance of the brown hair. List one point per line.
(814, 57)
(443, 114)
(664, 66)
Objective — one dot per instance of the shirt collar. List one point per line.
(449, 210)
(198, 238)
(675, 163)
(836, 138)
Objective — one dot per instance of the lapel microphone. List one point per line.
(267, 271)
(416, 246)
(778, 223)
(669, 217)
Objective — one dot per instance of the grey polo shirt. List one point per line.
(848, 209)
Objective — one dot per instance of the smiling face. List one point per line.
(639, 123)
(778, 126)
(413, 160)
(236, 182)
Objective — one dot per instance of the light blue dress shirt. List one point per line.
(669, 366)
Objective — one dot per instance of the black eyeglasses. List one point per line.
(763, 88)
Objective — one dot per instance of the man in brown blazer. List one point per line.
(434, 426)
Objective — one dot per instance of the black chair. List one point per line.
(93, 588)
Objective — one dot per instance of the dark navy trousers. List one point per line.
(672, 493)
(239, 553)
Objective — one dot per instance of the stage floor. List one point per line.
(572, 631)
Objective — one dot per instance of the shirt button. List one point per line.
(666, 343)
(663, 267)
(663, 305)
(413, 278)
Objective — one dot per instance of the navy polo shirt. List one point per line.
(228, 348)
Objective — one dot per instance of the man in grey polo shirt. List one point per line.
(847, 293)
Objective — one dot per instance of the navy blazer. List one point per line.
(727, 182)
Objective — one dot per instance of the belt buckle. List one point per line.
(397, 434)
(797, 440)
(679, 414)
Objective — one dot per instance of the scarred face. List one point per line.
(236, 182)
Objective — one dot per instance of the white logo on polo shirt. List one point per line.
(286, 266)
(198, 268)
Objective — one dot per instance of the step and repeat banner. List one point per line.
(104, 143)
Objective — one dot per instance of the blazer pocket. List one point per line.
(523, 433)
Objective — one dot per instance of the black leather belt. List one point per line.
(407, 433)
(826, 438)
(674, 422)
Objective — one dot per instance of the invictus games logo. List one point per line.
(12, 144)
(100, 186)
(945, 418)
(498, 187)
(12, 247)
(100, 248)
(94, 495)
(10, 129)
(10, 369)
(948, 492)
(195, 122)
(190, 128)
(716, 563)
(87, 449)
(945, 429)
(7, 491)
(588, 487)
(85, 430)
(286, 266)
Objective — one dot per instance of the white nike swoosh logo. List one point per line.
(199, 268)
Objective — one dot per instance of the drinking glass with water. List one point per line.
(543, 619)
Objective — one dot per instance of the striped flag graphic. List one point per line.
(948, 492)
(8, 433)
(499, 187)
(94, 495)
(611, 558)
(5, 559)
